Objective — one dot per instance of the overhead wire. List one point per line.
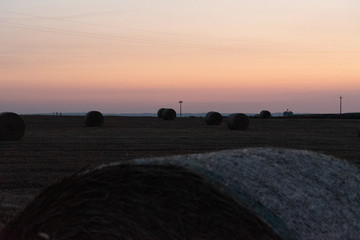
(116, 37)
(152, 31)
(218, 47)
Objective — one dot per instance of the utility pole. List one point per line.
(341, 104)
(180, 102)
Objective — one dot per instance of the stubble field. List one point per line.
(57, 146)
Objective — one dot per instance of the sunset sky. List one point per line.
(136, 56)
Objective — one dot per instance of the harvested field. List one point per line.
(57, 146)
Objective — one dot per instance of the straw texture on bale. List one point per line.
(159, 112)
(142, 202)
(168, 114)
(254, 193)
(300, 194)
(94, 119)
(213, 118)
(12, 126)
(265, 114)
(238, 121)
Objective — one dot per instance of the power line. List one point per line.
(119, 38)
(154, 31)
(252, 48)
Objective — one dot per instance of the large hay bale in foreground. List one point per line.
(130, 201)
(255, 193)
(94, 119)
(238, 121)
(168, 114)
(12, 126)
(300, 194)
(265, 114)
(213, 118)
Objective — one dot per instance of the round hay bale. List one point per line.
(94, 119)
(238, 121)
(12, 126)
(299, 194)
(168, 114)
(127, 201)
(254, 193)
(159, 112)
(213, 118)
(265, 114)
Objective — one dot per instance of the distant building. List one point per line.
(288, 113)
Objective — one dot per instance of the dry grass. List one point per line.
(57, 146)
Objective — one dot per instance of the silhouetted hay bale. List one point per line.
(159, 112)
(265, 114)
(12, 126)
(94, 119)
(128, 201)
(238, 121)
(213, 118)
(358, 132)
(168, 114)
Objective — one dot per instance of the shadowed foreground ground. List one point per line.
(56, 146)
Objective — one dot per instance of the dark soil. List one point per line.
(57, 146)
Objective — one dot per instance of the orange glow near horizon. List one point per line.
(230, 56)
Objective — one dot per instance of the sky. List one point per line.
(136, 56)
